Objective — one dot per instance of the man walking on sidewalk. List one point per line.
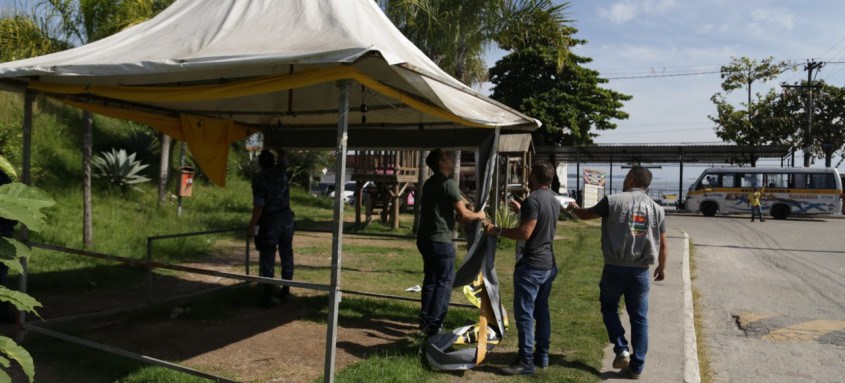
(633, 230)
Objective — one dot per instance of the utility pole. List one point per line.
(808, 134)
(810, 108)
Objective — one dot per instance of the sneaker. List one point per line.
(519, 368)
(432, 330)
(622, 359)
(633, 375)
(541, 361)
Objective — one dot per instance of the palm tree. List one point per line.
(456, 34)
(55, 25)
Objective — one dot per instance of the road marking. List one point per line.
(805, 331)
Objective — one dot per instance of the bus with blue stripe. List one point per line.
(785, 191)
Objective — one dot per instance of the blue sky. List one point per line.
(631, 38)
(654, 37)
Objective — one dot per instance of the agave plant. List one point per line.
(505, 218)
(119, 169)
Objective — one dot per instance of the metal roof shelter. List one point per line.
(655, 154)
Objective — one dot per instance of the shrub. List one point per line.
(22, 203)
(119, 169)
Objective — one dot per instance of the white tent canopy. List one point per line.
(196, 42)
(321, 73)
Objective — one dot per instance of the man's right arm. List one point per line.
(660, 270)
(598, 211)
(465, 215)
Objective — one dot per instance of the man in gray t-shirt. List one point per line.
(633, 232)
(535, 270)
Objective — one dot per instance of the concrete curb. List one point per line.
(692, 373)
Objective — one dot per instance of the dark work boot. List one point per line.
(519, 368)
(268, 300)
(283, 293)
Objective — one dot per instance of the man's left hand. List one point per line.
(659, 273)
(490, 229)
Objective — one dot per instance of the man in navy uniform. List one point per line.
(272, 222)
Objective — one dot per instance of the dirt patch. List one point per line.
(285, 343)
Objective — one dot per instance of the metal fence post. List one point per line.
(149, 270)
(246, 255)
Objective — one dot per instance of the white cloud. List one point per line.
(764, 19)
(619, 12)
(626, 10)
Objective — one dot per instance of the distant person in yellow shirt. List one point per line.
(754, 201)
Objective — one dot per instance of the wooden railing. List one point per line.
(387, 163)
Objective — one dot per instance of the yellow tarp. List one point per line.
(252, 87)
(207, 138)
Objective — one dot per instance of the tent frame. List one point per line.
(334, 290)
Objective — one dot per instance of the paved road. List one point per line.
(773, 297)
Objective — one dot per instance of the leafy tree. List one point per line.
(828, 130)
(24, 204)
(455, 34)
(744, 126)
(570, 102)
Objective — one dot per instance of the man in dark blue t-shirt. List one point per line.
(272, 215)
(535, 269)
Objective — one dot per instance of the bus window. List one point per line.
(751, 180)
(801, 181)
(709, 181)
(777, 181)
(822, 181)
(728, 180)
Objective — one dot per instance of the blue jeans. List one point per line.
(267, 256)
(756, 209)
(439, 269)
(531, 303)
(633, 283)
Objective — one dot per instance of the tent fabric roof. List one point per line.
(661, 153)
(196, 42)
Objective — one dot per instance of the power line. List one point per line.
(663, 75)
(656, 131)
(834, 46)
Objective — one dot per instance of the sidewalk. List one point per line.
(667, 349)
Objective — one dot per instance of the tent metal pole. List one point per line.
(26, 178)
(337, 229)
(418, 190)
(611, 176)
(495, 202)
(578, 176)
(181, 168)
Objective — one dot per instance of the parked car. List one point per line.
(564, 202)
(349, 192)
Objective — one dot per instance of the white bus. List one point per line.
(787, 191)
